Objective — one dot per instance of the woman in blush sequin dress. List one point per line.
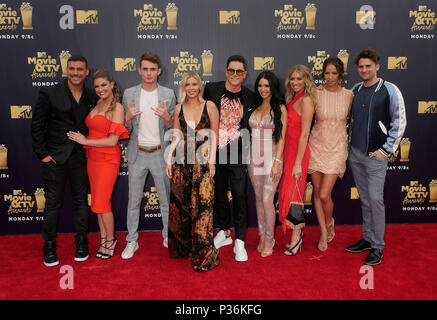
(328, 144)
(268, 123)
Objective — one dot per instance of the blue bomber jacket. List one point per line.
(387, 118)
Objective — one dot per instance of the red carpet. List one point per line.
(407, 271)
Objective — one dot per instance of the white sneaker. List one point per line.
(240, 251)
(130, 249)
(221, 239)
(165, 242)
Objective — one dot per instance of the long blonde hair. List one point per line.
(185, 77)
(104, 74)
(310, 87)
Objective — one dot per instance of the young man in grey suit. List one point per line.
(149, 110)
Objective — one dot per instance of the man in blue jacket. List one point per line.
(377, 125)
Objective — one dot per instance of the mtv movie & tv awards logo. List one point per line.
(46, 68)
(424, 21)
(400, 159)
(11, 18)
(420, 197)
(320, 57)
(150, 22)
(295, 23)
(185, 61)
(22, 203)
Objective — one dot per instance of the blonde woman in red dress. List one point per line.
(106, 126)
(301, 103)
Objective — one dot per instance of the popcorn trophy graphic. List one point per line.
(3, 157)
(405, 149)
(65, 54)
(40, 199)
(343, 55)
(308, 193)
(26, 15)
(310, 14)
(172, 15)
(433, 191)
(207, 57)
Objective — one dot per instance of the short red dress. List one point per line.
(103, 162)
(287, 187)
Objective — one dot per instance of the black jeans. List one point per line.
(54, 180)
(235, 177)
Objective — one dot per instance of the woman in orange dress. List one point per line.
(301, 103)
(106, 126)
(328, 144)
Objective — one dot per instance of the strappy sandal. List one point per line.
(113, 245)
(266, 253)
(331, 231)
(99, 253)
(289, 251)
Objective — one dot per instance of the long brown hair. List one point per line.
(104, 74)
(310, 87)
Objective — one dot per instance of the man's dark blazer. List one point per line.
(53, 116)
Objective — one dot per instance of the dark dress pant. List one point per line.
(233, 177)
(55, 177)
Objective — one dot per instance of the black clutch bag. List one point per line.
(296, 213)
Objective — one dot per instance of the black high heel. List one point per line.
(287, 246)
(114, 244)
(99, 253)
(298, 244)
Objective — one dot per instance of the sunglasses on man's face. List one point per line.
(231, 72)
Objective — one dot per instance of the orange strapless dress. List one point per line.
(103, 162)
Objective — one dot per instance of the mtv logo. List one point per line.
(321, 53)
(422, 8)
(41, 54)
(148, 7)
(397, 63)
(365, 17)
(427, 107)
(17, 192)
(87, 17)
(229, 17)
(354, 193)
(21, 112)
(267, 63)
(124, 64)
(288, 7)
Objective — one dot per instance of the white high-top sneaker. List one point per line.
(130, 249)
(221, 239)
(240, 251)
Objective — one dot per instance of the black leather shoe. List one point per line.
(81, 248)
(49, 251)
(374, 258)
(360, 246)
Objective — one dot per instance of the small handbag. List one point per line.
(296, 213)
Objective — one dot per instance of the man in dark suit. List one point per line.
(234, 102)
(58, 110)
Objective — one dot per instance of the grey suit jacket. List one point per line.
(133, 93)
